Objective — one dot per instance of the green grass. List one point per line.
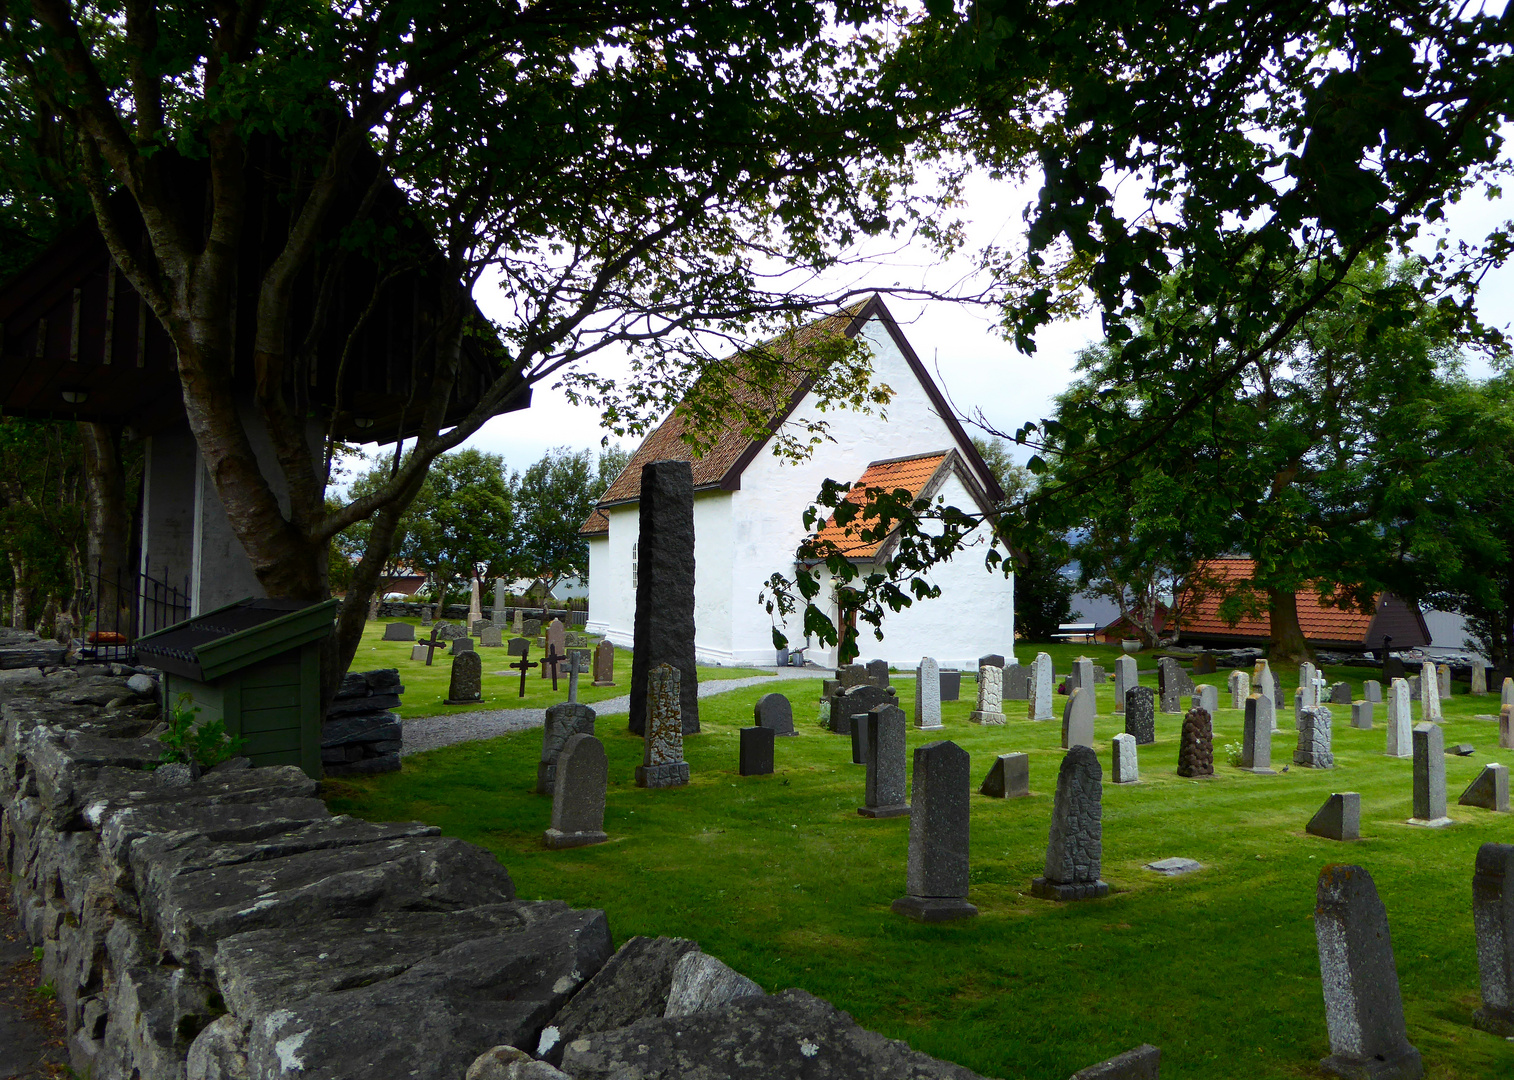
(779, 877)
(426, 687)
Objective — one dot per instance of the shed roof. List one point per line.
(913, 474)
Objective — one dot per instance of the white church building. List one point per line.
(748, 520)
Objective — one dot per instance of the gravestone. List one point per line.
(1074, 847)
(928, 695)
(466, 682)
(1266, 685)
(1008, 777)
(756, 751)
(450, 632)
(1240, 689)
(1141, 714)
(1393, 668)
(1488, 790)
(1100, 676)
(1256, 736)
(497, 613)
(373, 610)
(399, 631)
(855, 700)
(951, 684)
(857, 725)
(1340, 694)
(1126, 676)
(1196, 746)
(475, 606)
(519, 625)
(1493, 920)
(1413, 682)
(991, 660)
(421, 651)
(1205, 664)
(426, 615)
(776, 713)
(604, 664)
(936, 884)
(1506, 727)
(877, 672)
(1016, 682)
(1361, 715)
(1308, 684)
(1313, 750)
(662, 763)
(664, 627)
(1364, 1013)
(1479, 679)
(1429, 777)
(1172, 683)
(478, 625)
(1125, 765)
(557, 645)
(1206, 697)
(490, 637)
(1142, 1063)
(1339, 819)
(1372, 690)
(1464, 749)
(531, 628)
(1040, 688)
(1082, 675)
(563, 721)
(849, 675)
(1429, 695)
(1443, 681)
(990, 708)
(1077, 719)
(883, 795)
(578, 794)
(1400, 721)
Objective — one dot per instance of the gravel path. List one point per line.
(429, 732)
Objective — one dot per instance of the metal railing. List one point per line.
(125, 606)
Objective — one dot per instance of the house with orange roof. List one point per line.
(749, 508)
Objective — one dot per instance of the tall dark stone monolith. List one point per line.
(664, 627)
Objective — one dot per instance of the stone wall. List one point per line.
(230, 927)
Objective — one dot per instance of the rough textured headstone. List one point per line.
(1493, 920)
(855, 700)
(700, 983)
(774, 712)
(1489, 789)
(1008, 777)
(1339, 819)
(531, 628)
(1126, 676)
(466, 683)
(662, 763)
(563, 721)
(928, 694)
(490, 637)
(1040, 687)
(1361, 715)
(399, 631)
(1479, 679)
(1372, 690)
(426, 614)
(1082, 675)
(1100, 676)
(1141, 714)
(1256, 736)
(1075, 845)
(1077, 718)
(1506, 727)
(1429, 777)
(1314, 739)
(1364, 1013)
(1443, 681)
(664, 626)
(991, 660)
(1016, 682)
(1172, 684)
(990, 708)
(1240, 688)
(1340, 694)
(951, 684)
(462, 645)
(578, 794)
(1125, 765)
(1429, 696)
(518, 624)
(604, 664)
(1206, 697)
(756, 751)
(1142, 1063)
(1205, 664)
(885, 789)
(936, 888)
(1400, 722)
(877, 672)
(1196, 746)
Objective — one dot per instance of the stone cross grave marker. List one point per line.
(928, 695)
(1429, 777)
(776, 713)
(1314, 736)
(1075, 845)
(578, 794)
(431, 644)
(1077, 719)
(1008, 777)
(662, 759)
(1196, 745)
(1124, 764)
(578, 664)
(1256, 737)
(1488, 790)
(1364, 1013)
(399, 631)
(884, 791)
(1400, 722)
(1307, 676)
(990, 708)
(466, 682)
(552, 662)
(604, 664)
(1493, 920)
(1340, 818)
(1141, 714)
(521, 647)
(1126, 675)
(1240, 689)
(936, 885)
(563, 721)
(1040, 687)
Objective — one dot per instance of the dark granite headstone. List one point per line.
(1340, 818)
(578, 794)
(1142, 1063)
(1016, 683)
(531, 627)
(1074, 849)
(1489, 789)
(774, 712)
(1172, 684)
(1141, 714)
(885, 788)
(1393, 668)
(563, 721)
(466, 683)
(604, 664)
(991, 660)
(951, 684)
(664, 628)
(462, 645)
(1493, 919)
(1205, 664)
(1008, 777)
(1364, 1013)
(1196, 749)
(936, 889)
(399, 631)
(849, 675)
(857, 722)
(858, 699)
(1340, 694)
(877, 672)
(756, 751)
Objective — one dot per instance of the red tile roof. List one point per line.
(1319, 623)
(598, 523)
(912, 474)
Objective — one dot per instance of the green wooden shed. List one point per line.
(256, 666)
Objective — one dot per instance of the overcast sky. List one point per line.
(959, 343)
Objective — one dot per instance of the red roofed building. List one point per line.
(749, 507)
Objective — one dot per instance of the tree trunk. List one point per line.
(108, 528)
(21, 593)
(1288, 644)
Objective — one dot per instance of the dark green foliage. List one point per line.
(1043, 592)
(186, 741)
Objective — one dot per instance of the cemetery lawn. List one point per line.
(779, 877)
(426, 688)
